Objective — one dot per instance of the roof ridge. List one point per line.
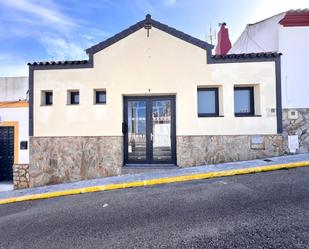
(299, 10)
(149, 21)
(126, 32)
(265, 19)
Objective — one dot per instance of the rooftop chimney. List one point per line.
(224, 43)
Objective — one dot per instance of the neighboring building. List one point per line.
(151, 95)
(286, 33)
(13, 125)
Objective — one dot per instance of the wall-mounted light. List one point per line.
(147, 24)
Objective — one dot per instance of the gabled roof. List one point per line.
(290, 18)
(148, 22)
(268, 18)
(258, 37)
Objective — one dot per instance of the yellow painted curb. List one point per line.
(155, 182)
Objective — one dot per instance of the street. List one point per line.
(263, 210)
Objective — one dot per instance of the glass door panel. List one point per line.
(161, 130)
(137, 137)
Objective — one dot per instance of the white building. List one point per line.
(286, 33)
(150, 95)
(13, 124)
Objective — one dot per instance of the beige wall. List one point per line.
(164, 64)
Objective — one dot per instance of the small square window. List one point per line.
(73, 97)
(100, 97)
(208, 102)
(243, 101)
(47, 98)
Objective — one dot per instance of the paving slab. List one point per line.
(6, 186)
(164, 173)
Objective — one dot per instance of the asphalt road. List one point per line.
(264, 210)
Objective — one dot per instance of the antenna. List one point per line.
(211, 36)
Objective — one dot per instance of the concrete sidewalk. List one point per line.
(6, 186)
(156, 177)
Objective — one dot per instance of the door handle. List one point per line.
(151, 136)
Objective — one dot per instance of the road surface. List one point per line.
(263, 210)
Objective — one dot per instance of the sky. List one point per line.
(45, 30)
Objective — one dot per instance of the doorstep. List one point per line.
(129, 169)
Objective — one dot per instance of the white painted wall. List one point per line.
(164, 64)
(259, 37)
(13, 88)
(294, 45)
(20, 115)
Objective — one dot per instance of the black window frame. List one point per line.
(47, 99)
(96, 97)
(252, 106)
(72, 94)
(216, 113)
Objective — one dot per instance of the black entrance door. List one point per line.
(6, 153)
(149, 129)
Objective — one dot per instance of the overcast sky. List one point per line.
(43, 30)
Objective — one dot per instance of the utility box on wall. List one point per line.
(257, 142)
(292, 114)
(271, 112)
(293, 143)
(23, 145)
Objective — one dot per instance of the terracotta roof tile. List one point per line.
(246, 56)
(48, 63)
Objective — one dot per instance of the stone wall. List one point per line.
(201, 150)
(298, 126)
(65, 159)
(21, 176)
